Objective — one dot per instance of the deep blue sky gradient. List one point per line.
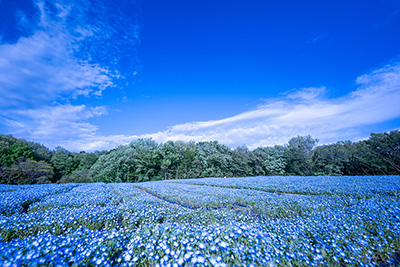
(204, 60)
(209, 60)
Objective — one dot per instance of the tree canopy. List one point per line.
(23, 162)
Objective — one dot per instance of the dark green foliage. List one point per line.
(23, 162)
(40, 152)
(385, 150)
(63, 162)
(359, 162)
(10, 154)
(11, 149)
(169, 159)
(84, 160)
(269, 161)
(27, 171)
(215, 159)
(188, 159)
(178, 160)
(146, 163)
(139, 161)
(299, 155)
(333, 159)
(77, 176)
(114, 166)
(240, 162)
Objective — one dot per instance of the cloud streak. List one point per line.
(73, 52)
(302, 112)
(53, 124)
(74, 48)
(44, 66)
(40, 68)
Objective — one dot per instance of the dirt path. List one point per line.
(249, 188)
(175, 203)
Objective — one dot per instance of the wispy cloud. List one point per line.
(40, 68)
(74, 48)
(97, 142)
(63, 125)
(52, 124)
(300, 112)
(303, 112)
(44, 66)
(307, 94)
(73, 51)
(317, 38)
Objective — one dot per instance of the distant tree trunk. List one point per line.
(165, 174)
(391, 163)
(177, 173)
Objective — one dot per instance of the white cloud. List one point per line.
(42, 67)
(96, 142)
(73, 49)
(64, 125)
(307, 94)
(55, 63)
(53, 124)
(303, 112)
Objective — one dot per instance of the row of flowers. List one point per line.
(204, 222)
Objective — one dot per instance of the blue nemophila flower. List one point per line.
(88, 226)
(223, 244)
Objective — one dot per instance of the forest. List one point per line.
(26, 162)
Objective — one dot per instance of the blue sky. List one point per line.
(92, 75)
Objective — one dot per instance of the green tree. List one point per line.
(271, 160)
(146, 163)
(333, 159)
(27, 171)
(240, 163)
(84, 160)
(386, 149)
(299, 155)
(13, 148)
(9, 154)
(40, 151)
(215, 159)
(169, 159)
(77, 176)
(362, 161)
(117, 165)
(63, 162)
(137, 162)
(188, 160)
(180, 149)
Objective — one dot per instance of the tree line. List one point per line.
(24, 162)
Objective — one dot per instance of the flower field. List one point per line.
(252, 221)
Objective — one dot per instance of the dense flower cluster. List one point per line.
(255, 221)
(15, 199)
(356, 186)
